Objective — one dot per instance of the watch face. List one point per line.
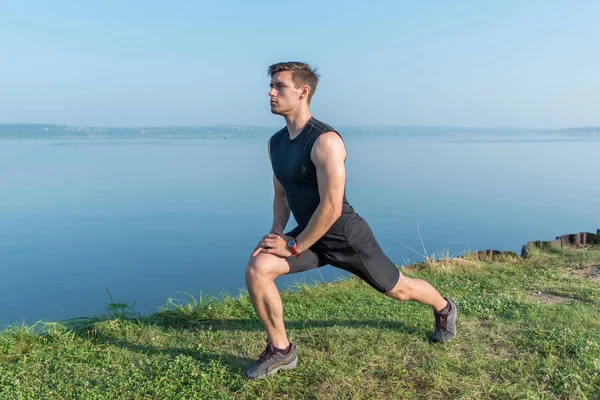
(291, 242)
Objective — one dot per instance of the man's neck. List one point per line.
(296, 122)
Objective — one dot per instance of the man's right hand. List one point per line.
(262, 244)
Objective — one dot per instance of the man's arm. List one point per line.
(328, 155)
(281, 210)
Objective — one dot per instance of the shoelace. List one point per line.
(265, 356)
(441, 322)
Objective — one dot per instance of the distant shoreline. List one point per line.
(49, 131)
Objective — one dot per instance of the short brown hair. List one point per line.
(302, 74)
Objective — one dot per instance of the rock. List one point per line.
(491, 254)
(570, 240)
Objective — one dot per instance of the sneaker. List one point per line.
(445, 324)
(271, 361)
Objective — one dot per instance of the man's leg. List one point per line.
(417, 290)
(365, 258)
(261, 272)
(444, 310)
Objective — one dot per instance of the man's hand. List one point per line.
(274, 243)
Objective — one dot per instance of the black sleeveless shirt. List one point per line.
(296, 172)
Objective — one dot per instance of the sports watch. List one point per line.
(292, 244)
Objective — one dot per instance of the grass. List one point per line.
(352, 342)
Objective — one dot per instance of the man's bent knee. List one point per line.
(401, 290)
(266, 266)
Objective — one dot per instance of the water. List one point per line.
(148, 220)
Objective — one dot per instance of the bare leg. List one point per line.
(261, 272)
(417, 290)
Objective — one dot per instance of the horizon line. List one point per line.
(279, 125)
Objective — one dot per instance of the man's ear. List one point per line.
(305, 91)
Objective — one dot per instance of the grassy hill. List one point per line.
(528, 328)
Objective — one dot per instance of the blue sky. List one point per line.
(459, 63)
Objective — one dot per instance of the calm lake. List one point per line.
(152, 219)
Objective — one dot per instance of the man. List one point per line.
(307, 157)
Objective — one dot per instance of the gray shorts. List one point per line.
(357, 252)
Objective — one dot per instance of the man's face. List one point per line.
(284, 96)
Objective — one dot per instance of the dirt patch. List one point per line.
(592, 272)
(547, 298)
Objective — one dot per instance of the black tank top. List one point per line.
(296, 172)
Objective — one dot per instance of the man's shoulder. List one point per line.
(329, 145)
(326, 133)
(274, 140)
(329, 139)
(323, 127)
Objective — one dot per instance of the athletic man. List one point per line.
(307, 157)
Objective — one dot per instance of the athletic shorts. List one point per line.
(355, 250)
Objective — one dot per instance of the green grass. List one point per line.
(352, 342)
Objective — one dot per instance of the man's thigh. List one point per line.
(368, 262)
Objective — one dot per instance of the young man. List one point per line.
(309, 177)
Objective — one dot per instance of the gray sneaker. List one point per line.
(271, 361)
(445, 324)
